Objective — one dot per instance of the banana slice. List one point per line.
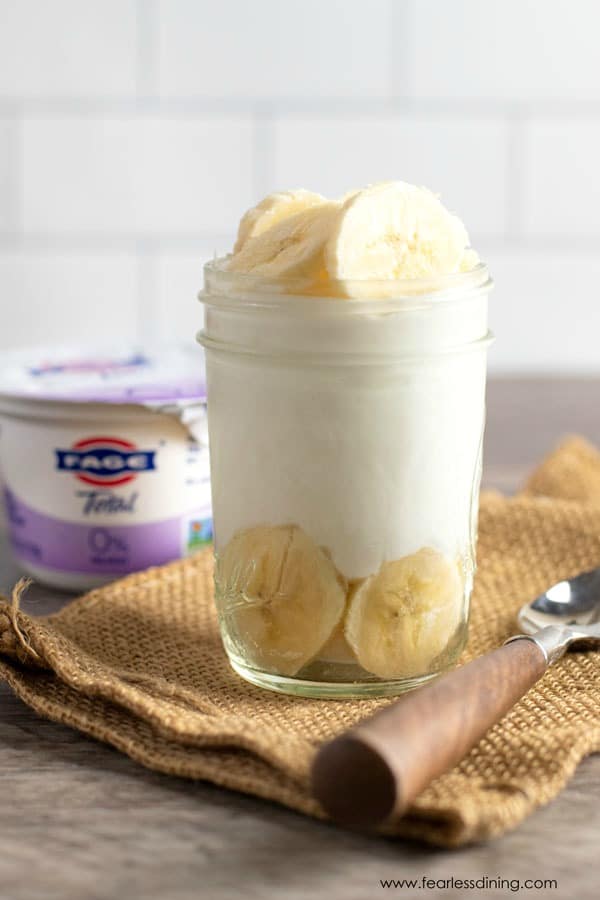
(284, 596)
(272, 210)
(392, 231)
(404, 616)
(291, 249)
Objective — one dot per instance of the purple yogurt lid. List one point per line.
(146, 374)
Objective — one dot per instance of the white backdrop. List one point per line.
(134, 132)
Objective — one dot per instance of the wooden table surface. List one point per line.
(79, 820)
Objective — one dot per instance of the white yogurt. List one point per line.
(359, 421)
(104, 458)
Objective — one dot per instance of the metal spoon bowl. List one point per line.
(572, 606)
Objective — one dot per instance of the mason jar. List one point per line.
(345, 441)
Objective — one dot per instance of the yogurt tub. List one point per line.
(104, 460)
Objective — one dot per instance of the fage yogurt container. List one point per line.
(104, 460)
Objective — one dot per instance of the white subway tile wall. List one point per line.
(179, 313)
(134, 132)
(68, 48)
(510, 50)
(273, 49)
(135, 176)
(544, 311)
(49, 297)
(470, 173)
(561, 195)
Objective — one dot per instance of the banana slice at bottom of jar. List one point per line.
(281, 595)
(404, 616)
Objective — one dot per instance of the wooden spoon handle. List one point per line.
(372, 772)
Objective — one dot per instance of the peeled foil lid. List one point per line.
(154, 376)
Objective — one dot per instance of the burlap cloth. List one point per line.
(139, 664)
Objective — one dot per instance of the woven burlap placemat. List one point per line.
(139, 664)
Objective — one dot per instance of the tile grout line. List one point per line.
(263, 139)
(146, 49)
(148, 103)
(515, 175)
(147, 294)
(401, 65)
(14, 183)
(19, 176)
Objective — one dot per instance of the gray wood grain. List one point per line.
(78, 819)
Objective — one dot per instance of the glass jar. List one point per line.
(345, 441)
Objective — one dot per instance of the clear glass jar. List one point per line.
(345, 441)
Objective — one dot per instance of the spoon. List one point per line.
(371, 773)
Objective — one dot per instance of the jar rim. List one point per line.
(225, 288)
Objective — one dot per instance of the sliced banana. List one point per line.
(271, 210)
(291, 249)
(282, 594)
(393, 231)
(404, 616)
